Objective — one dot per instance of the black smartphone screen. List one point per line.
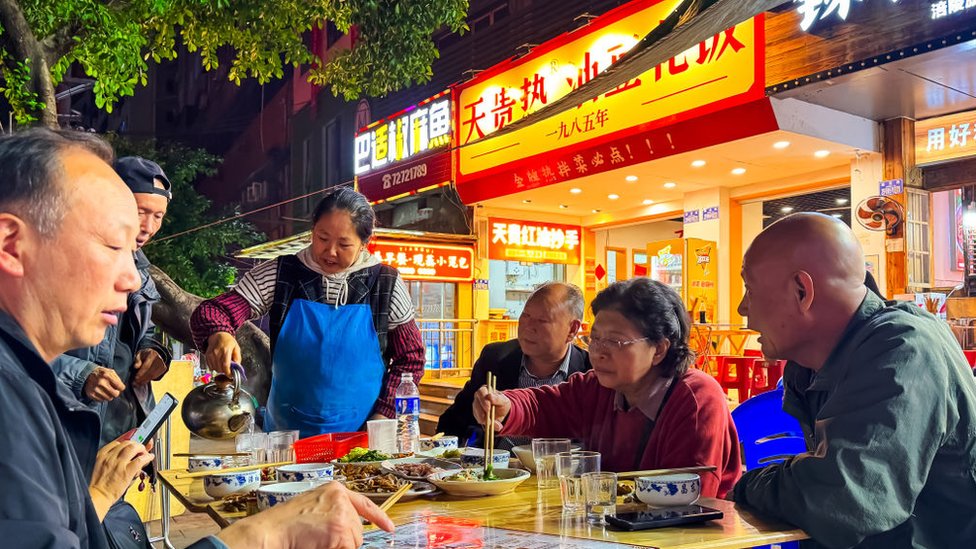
(659, 518)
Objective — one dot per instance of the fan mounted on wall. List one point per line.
(881, 213)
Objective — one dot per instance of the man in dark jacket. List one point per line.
(881, 389)
(115, 374)
(66, 216)
(543, 354)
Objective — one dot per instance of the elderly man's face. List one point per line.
(765, 304)
(152, 210)
(545, 328)
(81, 276)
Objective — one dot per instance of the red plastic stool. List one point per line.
(741, 379)
(765, 375)
(970, 356)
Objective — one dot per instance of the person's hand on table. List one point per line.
(103, 384)
(482, 404)
(324, 518)
(117, 464)
(149, 366)
(222, 349)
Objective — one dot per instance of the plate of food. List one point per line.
(359, 455)
(442, 453)
(380, 487)
(471, 483)
(418, 468)
(359, 471)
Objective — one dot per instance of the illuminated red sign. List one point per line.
(427, 261)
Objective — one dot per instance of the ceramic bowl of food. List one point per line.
(669, 490)
(524, 454)
(273, 494)
(470, 482)
(205, 463)
(443, 443)
(475, 457)
(300, 472)
(219, 485)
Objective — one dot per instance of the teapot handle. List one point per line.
(238, 372)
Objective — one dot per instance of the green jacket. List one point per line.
(890, 424)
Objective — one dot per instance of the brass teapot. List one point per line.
(220, 409)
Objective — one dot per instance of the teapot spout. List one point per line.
(239, 422)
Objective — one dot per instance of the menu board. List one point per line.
(440, 532)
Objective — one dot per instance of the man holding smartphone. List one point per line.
(66, 216)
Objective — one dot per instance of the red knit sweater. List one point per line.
(694, 427)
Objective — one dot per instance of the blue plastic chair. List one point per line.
(768, 434)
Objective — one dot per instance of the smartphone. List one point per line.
(155, 419)
(659, 518)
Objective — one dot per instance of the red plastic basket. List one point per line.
(327, 447)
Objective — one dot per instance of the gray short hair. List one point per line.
(31, 169)
(571, 296)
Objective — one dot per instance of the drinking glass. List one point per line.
(281, 446)
(570, 467)
(544, 452)
(600, 495)
(254, 443)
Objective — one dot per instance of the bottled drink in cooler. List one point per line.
(408, 415)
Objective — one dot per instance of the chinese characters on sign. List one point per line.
(534, 241)
(945, 138)
(710, 213)
(718, 73)
(416, 131)
(948, 8)
(819, 10)
(427, 261)
(891, 187)
(692, 216)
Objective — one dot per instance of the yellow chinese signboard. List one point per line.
(945, 138)
(705, 78)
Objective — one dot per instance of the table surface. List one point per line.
(528, 509)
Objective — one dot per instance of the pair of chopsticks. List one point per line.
(672, 471)
(199, 474)
(490, 429)
(221, 454)
(395, 497)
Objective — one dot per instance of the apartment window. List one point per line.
(332, 153)
(918, 241)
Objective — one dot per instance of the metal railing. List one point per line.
(448, 345)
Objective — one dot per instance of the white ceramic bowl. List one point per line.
(524, 453)
(475, 457)
(508, 480)
(205, 463)
(219, 485)
(669, 490)
(300, 472)
(443, 443)
(273, 494)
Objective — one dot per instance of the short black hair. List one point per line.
(30, 170)
(658, 312)
(353, 203)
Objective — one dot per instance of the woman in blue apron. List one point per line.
(342, 325)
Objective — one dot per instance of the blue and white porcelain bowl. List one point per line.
(273, 494)
(300, 472)
(475, 457)
(669, 490)
(443, 443)
(219, 485)
(205, 463)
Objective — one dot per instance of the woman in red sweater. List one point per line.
(641, 406)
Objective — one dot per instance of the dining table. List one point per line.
(530, 514)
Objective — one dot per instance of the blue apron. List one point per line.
(327, 369)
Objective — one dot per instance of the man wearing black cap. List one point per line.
(114, 375)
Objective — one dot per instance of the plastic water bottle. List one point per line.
(408, 415)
